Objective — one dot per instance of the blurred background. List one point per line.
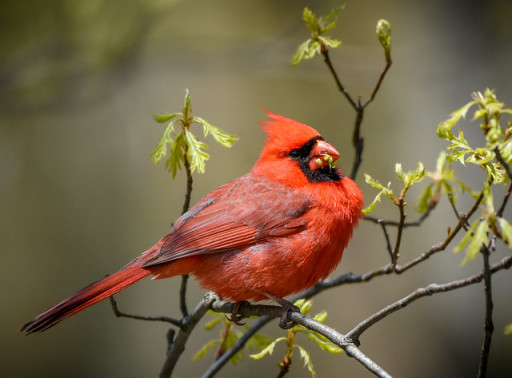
(80, 197)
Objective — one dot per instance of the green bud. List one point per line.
(384, 36)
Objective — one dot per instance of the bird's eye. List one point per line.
(295, 154)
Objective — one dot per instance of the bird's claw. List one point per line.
(284, 323)
(235, 316)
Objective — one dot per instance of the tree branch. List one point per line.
(442, 246)
(357, 140)
(275, 311)
(431, 289)
(188, 325)
(488, 325)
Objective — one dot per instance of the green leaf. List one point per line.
(187, 109)
(323, 342)
(329, 42)
(321, 316)
(331, 19)
(423, 202)
(176, 156)
(310, 19)
(506, 229)
(304, 305)
(161, 149)
(466, 238)
(204, 350)
(399, 172)
(267, 350)
(224, 139)
(164, 117)
(217, 318)
(368, 209)
(508, 329)
(258, 341)
(303, 52)
(307, 360)
(195, 152)
(478, 239)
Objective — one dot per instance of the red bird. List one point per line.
(270, 233)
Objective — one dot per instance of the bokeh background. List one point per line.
(79, 196)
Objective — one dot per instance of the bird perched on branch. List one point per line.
(270, 233)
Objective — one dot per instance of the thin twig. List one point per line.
(186, 206)
(389, 62)
(442, 246)
(341, 87)
(396, 250)
(357, 140)
(431, 289)
(415, 223)
(121, 314)
(190, 181)
(183, 295)
(488, 324)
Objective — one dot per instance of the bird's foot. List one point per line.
(235, 316)
(284, 323)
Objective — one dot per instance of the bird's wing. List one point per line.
(244, 212)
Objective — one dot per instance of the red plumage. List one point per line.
(275, 231)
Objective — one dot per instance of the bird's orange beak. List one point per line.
(322, 155)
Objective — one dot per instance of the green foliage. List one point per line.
(490, 112)
(228, 336)
(497, 131)
(321, 341)
(318, 40)
(508, 329)
(185, 147)
(443, 180)
(407, 179)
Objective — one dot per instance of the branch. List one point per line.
(188, 325)
(396, 250)
(275, 311)
(121, 314)
(357, 140)
(442, 246)
(240, 343)
(488, 325)
(431, 289)
(415, 223)
(342, 341)
(186, 206)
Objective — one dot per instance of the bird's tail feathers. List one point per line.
(86, 297)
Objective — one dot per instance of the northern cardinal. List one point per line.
(270, 233)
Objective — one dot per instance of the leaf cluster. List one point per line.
(490, 112)
(228, 336)
(407, 179)
(320, 340)
(185, 147)
(318, 40)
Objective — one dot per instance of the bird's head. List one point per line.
(295, 153)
